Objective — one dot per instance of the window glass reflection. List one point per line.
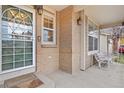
(48, 35)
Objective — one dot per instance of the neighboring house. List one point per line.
(122, 41)
(103, 44)
(106, 42)
(62, 38)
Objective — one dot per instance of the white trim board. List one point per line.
(0, 40)
(82, 54)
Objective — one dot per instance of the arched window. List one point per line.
(17, 38)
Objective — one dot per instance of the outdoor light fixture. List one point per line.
(122, 23)
(39, 9)
(39, 38)
(79, 21)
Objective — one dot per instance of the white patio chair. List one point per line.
(102, 58)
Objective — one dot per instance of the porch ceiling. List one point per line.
(57, 7)
(102, 14)
(105, 14)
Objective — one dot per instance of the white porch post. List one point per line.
(83, 36)
(1, 82)
(0, 39)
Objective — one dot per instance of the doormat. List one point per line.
(25, 81)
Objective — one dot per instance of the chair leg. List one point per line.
(99, 64)
(109, 62)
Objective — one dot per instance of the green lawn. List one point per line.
(119, 58)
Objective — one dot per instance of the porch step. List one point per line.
(48, 83)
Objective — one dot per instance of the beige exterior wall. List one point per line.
(69, 41)
(87, 60)
(70, 53)
(73, 41)
(65, 62)
(47, 57)
(76, 43)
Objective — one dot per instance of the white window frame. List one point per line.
(52, 15)
(94, 51)
(0, 39)
(33, 37)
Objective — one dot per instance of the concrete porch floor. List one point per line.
(93, 77)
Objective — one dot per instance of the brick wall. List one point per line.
(69, 41)
(47, 58)
(65, 61)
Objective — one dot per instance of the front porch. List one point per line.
(112, 77)
(93, 77)
(58, 46)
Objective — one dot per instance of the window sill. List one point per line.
(92, 52)
(49, 46)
